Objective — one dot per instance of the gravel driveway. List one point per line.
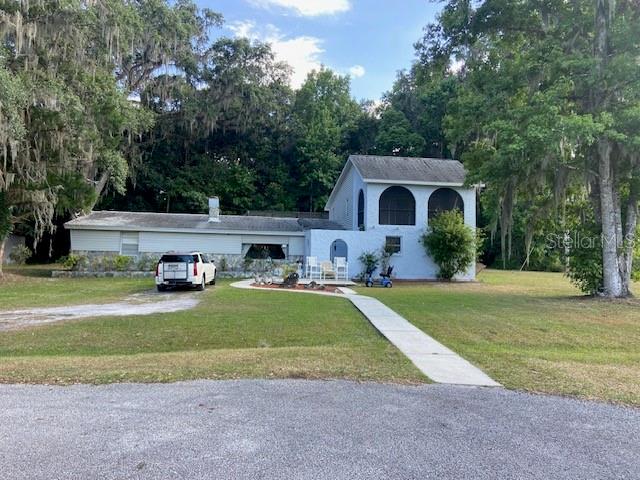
(294, 429)
(144, 303)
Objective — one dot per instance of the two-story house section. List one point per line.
(384, 200)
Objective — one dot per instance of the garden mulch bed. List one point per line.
(276, 286)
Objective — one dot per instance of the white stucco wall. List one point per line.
(421, 193)
(412, 263)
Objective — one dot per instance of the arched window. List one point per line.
(397, 207)
(444, 199)
(361, 210)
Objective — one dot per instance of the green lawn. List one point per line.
(32, 286)
(232, 334)
(531, 331)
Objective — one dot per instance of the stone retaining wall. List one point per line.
(132, 274)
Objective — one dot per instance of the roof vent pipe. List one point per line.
(214, 209)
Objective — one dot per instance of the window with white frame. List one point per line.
(393, 244)
(129, 243)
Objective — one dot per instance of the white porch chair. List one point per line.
(341, 268)
(327, 270)
(312, 268)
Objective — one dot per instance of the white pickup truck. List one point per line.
(192, 269)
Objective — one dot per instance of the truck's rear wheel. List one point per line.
(203, 283)
(213, 282)
(161, 288)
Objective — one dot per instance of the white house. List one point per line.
(376, 201)
(388, 201)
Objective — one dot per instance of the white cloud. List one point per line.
(356, 71)
(301, 53)
(243, 28)
(307, 8)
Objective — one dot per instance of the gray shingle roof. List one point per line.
(185, 221)
(408, 169)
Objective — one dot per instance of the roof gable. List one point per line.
(401, 171)
(411, 170)
(348, 166)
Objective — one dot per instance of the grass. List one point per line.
(32, 286)
(232, 333)
(531, 331)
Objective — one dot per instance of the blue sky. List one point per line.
(369, 39)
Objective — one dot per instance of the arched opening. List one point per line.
(361, 210)
(397, 207)
(338, 249)
(444, 199)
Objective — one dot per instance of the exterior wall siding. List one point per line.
(95, 240)
(296, 246)
(342, 208)
(160, 242)
(105, 242)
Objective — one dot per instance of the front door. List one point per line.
(338, 249)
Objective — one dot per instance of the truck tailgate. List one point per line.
(174, 271)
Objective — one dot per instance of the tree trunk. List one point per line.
(631, 225)
(613, 256)
(612, 283)
(2, 244)
(100, 186)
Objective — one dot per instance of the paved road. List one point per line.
(316, 430)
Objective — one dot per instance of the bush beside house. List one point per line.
(450, 243)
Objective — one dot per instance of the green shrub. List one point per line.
(223, 265)
(584, 266)
(146, 263)
(121, 263)
(247, 263)
(450, 243)
(289, 268)
(73, 261)
(370, 261)
(20, 254)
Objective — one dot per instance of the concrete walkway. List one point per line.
(436, 361)
(431, 357)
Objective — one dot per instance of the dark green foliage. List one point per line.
(584, 267)
(5, 217)
(370, 261)
(396, 136)
(450, 243)
(20, 254)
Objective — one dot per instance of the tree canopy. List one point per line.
(132, 105)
